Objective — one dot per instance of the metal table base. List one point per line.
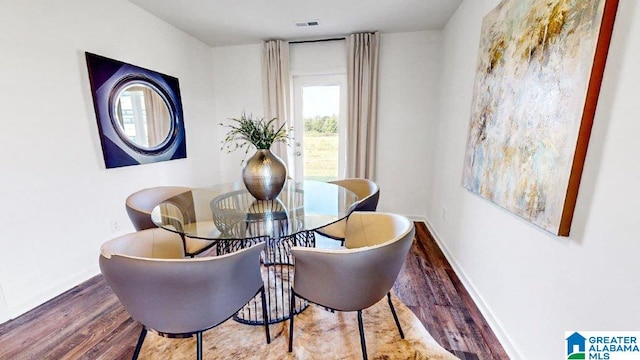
(277, 272)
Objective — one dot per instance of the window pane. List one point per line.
(320, 107)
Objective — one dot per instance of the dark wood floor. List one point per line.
(88, 322)
(430, 288)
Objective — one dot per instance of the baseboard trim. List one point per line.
(49, 293)
(505, 340)
(418, 218)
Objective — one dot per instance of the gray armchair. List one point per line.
(359, 275)
(368, 195)
(176, 296)
(140, 204)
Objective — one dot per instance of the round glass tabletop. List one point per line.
(229, 211)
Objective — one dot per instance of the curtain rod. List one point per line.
(318, 40)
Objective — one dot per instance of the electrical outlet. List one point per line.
(115, 226)
(444, 214)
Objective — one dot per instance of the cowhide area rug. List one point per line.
(318, 334)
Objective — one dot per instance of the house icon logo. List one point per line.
(576, 346)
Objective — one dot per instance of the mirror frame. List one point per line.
(107, 78)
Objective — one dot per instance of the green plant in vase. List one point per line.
(264, 173)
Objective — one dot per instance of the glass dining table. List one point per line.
(232, 219)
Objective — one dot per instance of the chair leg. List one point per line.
(395, 316)
(362, 342)
(143, 334)
(265, 318)
(184, 244)
(291, 316)
(199, 345)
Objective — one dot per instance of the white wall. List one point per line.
(4, 312)
(408, 95)
(532, 284)
(58, 198)
(409, 74)
(318, 57)
(237, 87)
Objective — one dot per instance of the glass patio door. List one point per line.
(320, 107)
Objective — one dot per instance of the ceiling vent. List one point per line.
(307, 23)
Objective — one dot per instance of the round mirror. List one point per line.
(142, 115)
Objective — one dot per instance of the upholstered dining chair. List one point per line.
(140, 204)
(176, 296)
(368, 195)
(357, 276)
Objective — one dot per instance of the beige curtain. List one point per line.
(158, 118)
(276, 91)
(362, 87)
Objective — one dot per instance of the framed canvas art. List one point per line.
(539, 70)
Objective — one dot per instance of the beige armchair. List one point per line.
(140, 204)
(176, 296)
(359, 275)
(368, 195)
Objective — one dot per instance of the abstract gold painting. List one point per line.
(539, 70)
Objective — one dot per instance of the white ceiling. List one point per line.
(234, 22)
